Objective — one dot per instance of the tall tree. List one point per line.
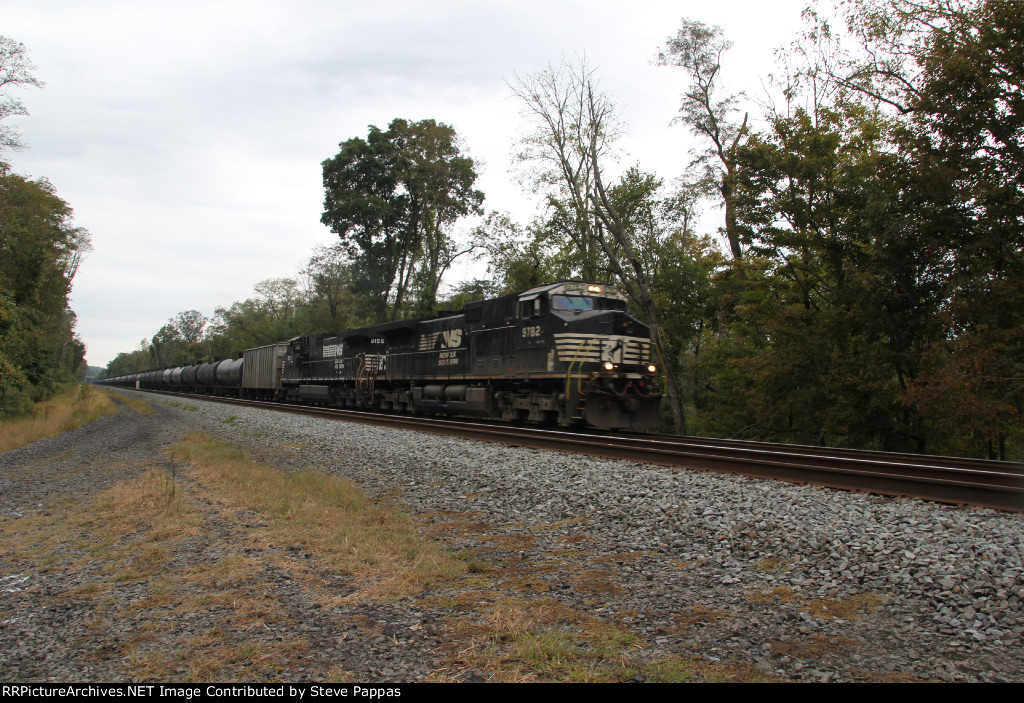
(190, 324)
(697, 48)
(520, 258)
(968, 118)
(40, 251)
(576, 129)
(15, 70)
(328, 279)
(392, 199)
(167, 347)
(878, 50)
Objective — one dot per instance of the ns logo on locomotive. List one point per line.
(563, 353)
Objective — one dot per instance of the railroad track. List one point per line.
(978, 482)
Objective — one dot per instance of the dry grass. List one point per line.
(326, 514)
(816, 646)
(196, 539)
(73, 408)
(522, 638)
(106, 534)
(560, 523)
(624, 557)
(698, 614)
(254, 523)
(183, 406)
(456, 528)
(137, 404)
(595, 582)
(771, 565)
(577, 538)
(676, 669)
(516, 543)
(849, 609)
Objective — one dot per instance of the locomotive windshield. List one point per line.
(572, 302)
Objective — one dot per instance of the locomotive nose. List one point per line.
(624, 324)
(616, 322)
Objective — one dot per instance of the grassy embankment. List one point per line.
(137, 404)
(209, 538)
(74, 407)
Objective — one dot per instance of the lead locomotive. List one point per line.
(565, 353)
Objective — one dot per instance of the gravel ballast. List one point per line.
(797, 583)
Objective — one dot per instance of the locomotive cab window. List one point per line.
(530, 308)
(576, 303)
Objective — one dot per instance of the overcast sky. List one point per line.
(188, 136)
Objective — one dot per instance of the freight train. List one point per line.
(564, 353)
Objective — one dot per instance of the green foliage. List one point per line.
(329, 281)
(521, 258)
(878, 302)
(40, 251)
(391, 198)
(468, 292)
(883, 308)
(15, 398)
(279, 311)
(968, 128)
(697, 48)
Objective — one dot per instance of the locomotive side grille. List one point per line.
(602, 347)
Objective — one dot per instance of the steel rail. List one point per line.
(954, 480)
(899, 457)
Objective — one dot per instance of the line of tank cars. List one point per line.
(563, 353)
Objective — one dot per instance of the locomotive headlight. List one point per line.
(652, 369)
(593, 289)
(608, 366)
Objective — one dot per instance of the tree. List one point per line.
(576, 130)
(392, 198)
(167, 347)
(521, 258)
(190, 324)
(15, 70)
(879, 57)
(850, 285)
(328, 279)
(40, 251)
(278, 311)
(130, 362)
(697, 48)
(968, 127)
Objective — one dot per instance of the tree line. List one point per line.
(40, 251)
(864, 289)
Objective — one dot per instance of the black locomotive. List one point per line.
(564, 353)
